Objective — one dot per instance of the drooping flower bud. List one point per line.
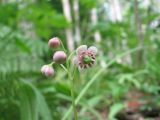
(59, 57)
(54, 42)
(47, 70)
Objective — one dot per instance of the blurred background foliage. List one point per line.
(130, 85)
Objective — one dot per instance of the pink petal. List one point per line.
(81, 49)
(49, 71)
(43, 68)
(75, 60)
(93, 50)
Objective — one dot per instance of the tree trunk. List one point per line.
(116, 10)
(94, 19)
(139, 32)
(69, 32)
(76, 17)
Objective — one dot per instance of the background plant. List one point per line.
(26, 26)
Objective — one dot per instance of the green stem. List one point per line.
(63, 46)
(73, 100)
(69, 57)
(51, 63)
(72, 81)
(94, 78)
(65, 69)
(72, 90)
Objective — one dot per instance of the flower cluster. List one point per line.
(59, 57)
(86, 57)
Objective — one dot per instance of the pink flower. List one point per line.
(59, 57)
(47, 70)
(86, 57)
(54, 42)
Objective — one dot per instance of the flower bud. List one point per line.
(54, 42)
(59, 57)
(47, 70)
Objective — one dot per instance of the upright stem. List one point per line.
(71, 78)
(72, 93)
(73, 99)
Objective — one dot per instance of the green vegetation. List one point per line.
(123, 85)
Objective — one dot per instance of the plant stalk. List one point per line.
(72, 94)
(73, 100)
(71, 78)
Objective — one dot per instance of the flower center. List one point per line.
(87, 59)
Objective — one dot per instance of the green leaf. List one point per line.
(28, 103)
(115, 108)
(33, 104)
(43, 107)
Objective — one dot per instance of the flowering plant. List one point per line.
(85, 58)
